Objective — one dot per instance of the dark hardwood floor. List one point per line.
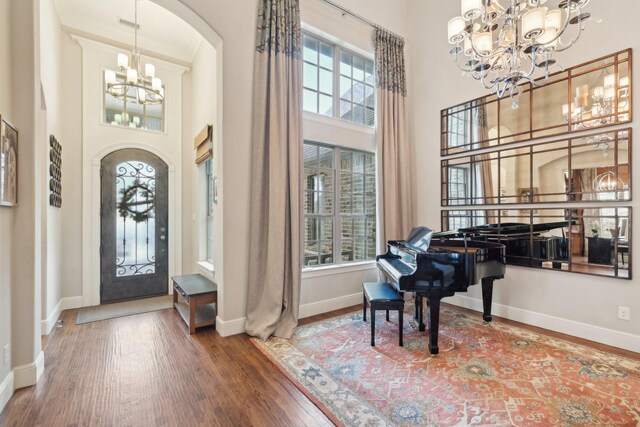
(146, 370)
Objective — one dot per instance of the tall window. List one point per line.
(210, 206)
(458, 186)
(337, 83)
(459, 127)
(118, 112)
(339, 205)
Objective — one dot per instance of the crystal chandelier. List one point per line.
(504, 42)
(130, 84)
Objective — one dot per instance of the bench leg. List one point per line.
(373, 326)
(400, 322)
(364, 307)
(387, 315)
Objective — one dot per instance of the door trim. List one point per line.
(91, 222)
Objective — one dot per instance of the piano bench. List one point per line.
(381, 296)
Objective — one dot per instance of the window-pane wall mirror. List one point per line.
(593, 167)
(592, 95)
(580, 239)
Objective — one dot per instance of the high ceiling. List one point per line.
(160, 31)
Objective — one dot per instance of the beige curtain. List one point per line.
(274, 254)
(392, 140)
(481, 130)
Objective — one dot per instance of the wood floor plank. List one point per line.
(146, 370)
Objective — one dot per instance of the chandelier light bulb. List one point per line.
(132, 75)
(110, 77)
(149, 70)
(156, 84)
(456, 28)
(533, 22)
(471, 9)
(123, 61)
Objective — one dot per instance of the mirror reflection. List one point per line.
(589, 168)
(591, 95)
(581, 239)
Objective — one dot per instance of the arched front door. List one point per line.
(134, 221)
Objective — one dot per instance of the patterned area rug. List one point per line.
(485, 374)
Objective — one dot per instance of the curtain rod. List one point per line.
(358, 17)
(348, 12)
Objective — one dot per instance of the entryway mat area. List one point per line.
(121, 309)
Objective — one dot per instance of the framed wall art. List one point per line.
(8, 164)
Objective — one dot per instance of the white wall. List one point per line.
(6, 214)
(581, 305)
(51, 73)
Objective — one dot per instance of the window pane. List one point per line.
(370, 164)
(311, 228)
(345, 203)
(154, 110)
(326, 231)
(326, 252)
(358, 93)
(310, 73)
(345, 88)
(369, 116)
(346, 110)
(345, 64)
(358, 204)
(310, 155)
(311, 253)
(358, 163)
(368, 73)
(310, 101)
(347, 251)
(346, 161)
(358, 114)
(326, 105)
(326, 157)
(326, 82)
(370, 97)
(326, 202)
(310, 53)
(358, 69)
(326, 56)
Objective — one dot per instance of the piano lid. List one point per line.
(419, 239)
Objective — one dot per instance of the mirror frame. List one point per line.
(559, 264)
(529, 89)
(528, 155)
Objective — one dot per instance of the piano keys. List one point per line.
(440, 267)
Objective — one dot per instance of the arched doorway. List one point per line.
(133, 225)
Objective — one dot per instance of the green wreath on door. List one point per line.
(126, 207)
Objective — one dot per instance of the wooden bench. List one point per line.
(381, 296)
(198, 295)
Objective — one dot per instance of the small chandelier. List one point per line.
(607, 182)
(130, 84)
(504, 42)
(595, 106)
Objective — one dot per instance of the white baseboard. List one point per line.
(311, 309)
(227, 328)
(29, 374)
(6, 390)
(64, 304)
(598, 334)
(236, 326)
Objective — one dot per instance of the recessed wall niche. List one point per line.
(592, 95)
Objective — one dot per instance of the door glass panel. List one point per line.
(135, 227)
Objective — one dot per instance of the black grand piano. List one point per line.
(438, 267)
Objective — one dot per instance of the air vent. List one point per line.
(129, 24)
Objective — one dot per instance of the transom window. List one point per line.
(339, 205)
(118, 112)
(337, 83)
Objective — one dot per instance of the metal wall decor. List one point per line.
(588, 96)
(55, 172)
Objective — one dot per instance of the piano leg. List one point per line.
(420, 313)
(434, 323)
(487, 295)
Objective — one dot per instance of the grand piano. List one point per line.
(438, 267)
